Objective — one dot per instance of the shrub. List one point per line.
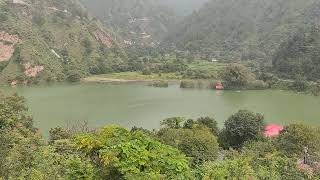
(160, 84)
(73, 76)
(256, 85)
(187, 84)
(146, 71)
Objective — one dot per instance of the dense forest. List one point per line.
(262, 31)
(53, 40)
(181, 149)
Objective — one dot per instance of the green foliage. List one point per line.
(296, 137)
(58, 133)
(236, 75)
(242, 30)
(173, 123)
(73, 76)
(146, 71)
(56, 40)
(87, 45)
(160, 84)
(38, 19)
(241, 127)
(77, 169)
(133, 155)
(200, 84)
(197, 143)
(300, 84)
(228, 169)
(208, 122)
(298, 56)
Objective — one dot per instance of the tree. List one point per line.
(241, 127)
(209, 122)
(197, 143)
(236, 75)
(300, 84)
(174, 122)
(87, 45)
(73, 76)
(58, 133)
(133, 155)
(238, 168)
(294, 138)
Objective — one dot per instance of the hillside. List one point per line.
(183, 7)
(242, 29)
(141, 23)
(299, 55)
(53, 40)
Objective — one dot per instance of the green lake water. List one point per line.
(138, 105)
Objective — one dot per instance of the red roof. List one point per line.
(272, 130)
(219, 86)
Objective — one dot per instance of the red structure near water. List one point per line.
(219, 86)
(272, 130)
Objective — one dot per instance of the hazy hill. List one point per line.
(299, 55)
(53, 40)
(240, 29)
(138, 22)
(183, 7)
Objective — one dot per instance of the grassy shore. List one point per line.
(132, 77)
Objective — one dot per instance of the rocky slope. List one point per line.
(52, 40)
(140, 23)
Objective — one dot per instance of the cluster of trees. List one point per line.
(242, 30)
(181, 149)
(299, 56)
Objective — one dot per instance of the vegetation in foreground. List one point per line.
(181, 149)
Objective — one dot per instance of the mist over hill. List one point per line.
(184, 7)
(138, 22)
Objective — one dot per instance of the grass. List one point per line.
(209, 67)
(132, 76)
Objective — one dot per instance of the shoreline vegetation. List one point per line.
(165, 79)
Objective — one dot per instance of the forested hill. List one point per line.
(242, 29)
(299, 55)
(53, 40)
(183, 7)
(138, 22)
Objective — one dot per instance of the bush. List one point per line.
(146, 71)
(257, 85)
(197, 84)
(160, 84)
(187, 84)
(3, 17)
(73, 76)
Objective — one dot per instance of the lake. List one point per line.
(143, 106)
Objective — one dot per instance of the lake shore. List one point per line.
(129, 77)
